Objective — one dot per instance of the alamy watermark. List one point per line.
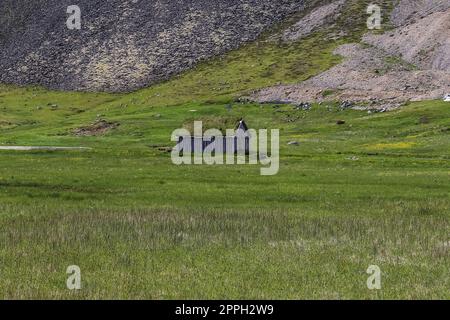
(74, 20)
(240, 146)
(74, 280)
(374, 280)
(375, 19)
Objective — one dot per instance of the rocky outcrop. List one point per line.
(124, 44)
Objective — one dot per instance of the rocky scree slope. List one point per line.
(124, 44)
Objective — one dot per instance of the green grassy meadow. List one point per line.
(373, 191)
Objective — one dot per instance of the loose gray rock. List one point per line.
(124, 45)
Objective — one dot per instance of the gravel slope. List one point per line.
(410, 63)
(425, 42)
(368, 76)
(408, 11)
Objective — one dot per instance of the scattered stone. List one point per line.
(447, 98)
(346, 105)
(293, 143)
(243, 100)
(305, 106)
(340, 122)
(375, 110)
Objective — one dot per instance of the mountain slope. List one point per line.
(409, 63)
(124, 45)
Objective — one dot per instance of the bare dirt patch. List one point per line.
(98, 128)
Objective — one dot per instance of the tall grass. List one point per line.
(168, 253)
